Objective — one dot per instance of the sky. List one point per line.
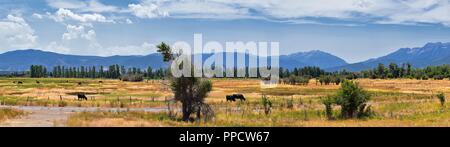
(355, 30)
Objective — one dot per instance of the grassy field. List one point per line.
(399, 102)
(7, 113)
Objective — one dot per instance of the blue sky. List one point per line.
(354, 30)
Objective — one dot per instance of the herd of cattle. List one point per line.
(38, 82)
(81, 96)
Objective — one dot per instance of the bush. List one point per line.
(133, 77)
(290, 103)
(267, 105)
(328, 102)
(352, 99)
(441, 98)
(62, 104)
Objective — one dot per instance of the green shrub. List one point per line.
(267, 105)
(352, 99)
(441, 98)
(290, 103)
(328, 102)
(62, 104)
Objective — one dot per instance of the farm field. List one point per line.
(396, 102)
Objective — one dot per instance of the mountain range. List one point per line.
(21, 60)
(430, 54)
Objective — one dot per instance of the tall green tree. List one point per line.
(190, 91)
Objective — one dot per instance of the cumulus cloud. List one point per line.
(147, 9)
(81, 40)
(15, 33)
(65, 14)
(76, 32)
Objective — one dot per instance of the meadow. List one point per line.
(395, 102)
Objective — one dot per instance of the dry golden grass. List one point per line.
(397, 102)
(8, 113)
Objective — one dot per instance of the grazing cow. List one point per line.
(100, 81)
(37, 82)
(239, 96)
(14, 82)
(20, 82)
(82, 97)
(79, 83)
(233, 97)
(230, 98)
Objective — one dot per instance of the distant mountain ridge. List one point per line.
(21, 60)
(430, 54)
(312, 58)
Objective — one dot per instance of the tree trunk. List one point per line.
(186, 110)
(199, 112)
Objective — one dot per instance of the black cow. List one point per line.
(239, 96)
(101, 82)
(79, 83)
(234, 97)
(230, 98)
(82, 97)
(37, 82)
(20, 82)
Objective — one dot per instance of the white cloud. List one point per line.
(128, 21)
(146, 9)
(16, 33)
(57, 48)
(379, 11)
(82, 6)
(76, 32)
(65, 14)
(38, 16)
(187, 9)
(81, 40)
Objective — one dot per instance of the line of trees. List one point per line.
(407, 71)
(295, 76)
(37, 71)
(110, 72)
(391, 71)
